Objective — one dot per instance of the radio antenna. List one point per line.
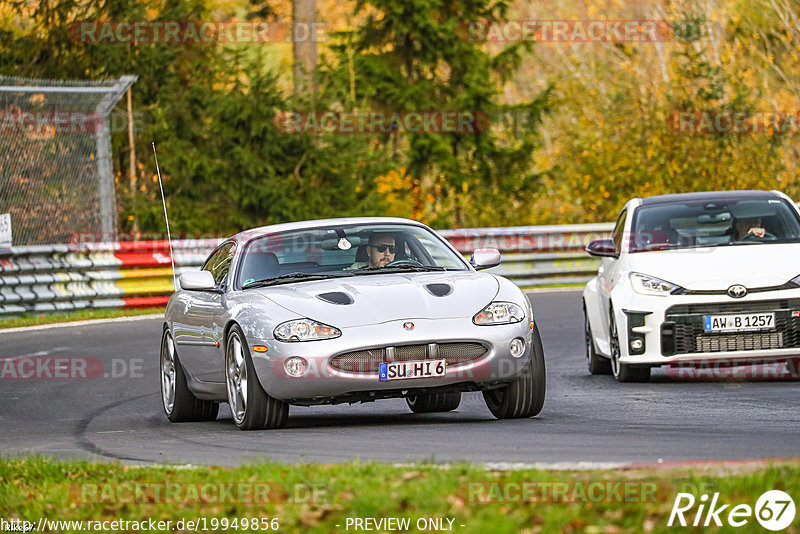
(164, 202)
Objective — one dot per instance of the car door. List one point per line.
(205, 318)
(186, 325)
(609, 274)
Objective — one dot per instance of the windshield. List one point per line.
(714, 223)
(358, 250)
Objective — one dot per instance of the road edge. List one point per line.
(87, 322)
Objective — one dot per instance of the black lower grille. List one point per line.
(369, 360)
(682, 331)
(742, 341)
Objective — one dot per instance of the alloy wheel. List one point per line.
(236, 374)
(614, 344)
(168, 373)
(587, 336)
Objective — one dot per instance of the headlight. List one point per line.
(499, 313)
(305, 330)
(650, 285)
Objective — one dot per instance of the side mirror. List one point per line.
(485, 258)
(198, 281)
(603, 248)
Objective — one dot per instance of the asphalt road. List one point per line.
(116, 412)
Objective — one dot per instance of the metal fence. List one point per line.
(97, 275)
(56, 175)
(536, 255)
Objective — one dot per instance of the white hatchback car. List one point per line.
(695, 277)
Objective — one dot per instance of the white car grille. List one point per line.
(682, 331)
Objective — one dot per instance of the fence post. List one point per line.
(105, 171)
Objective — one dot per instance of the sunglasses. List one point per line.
(382, 248)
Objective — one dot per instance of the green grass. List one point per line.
(32, 319)
(553, 286)
(317, 498)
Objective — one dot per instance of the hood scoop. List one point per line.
(439, 290)
(336, 297)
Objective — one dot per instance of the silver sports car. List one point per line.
(346, 310)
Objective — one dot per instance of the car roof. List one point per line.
(710, 196)
(246, 235)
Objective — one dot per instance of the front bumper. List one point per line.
(671, 328)
(323, 383)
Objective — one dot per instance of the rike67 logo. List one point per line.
(774, 510)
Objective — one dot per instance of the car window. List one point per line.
(714, 223)
(616, 235)
(219, 262)
(440, 257)
(341, 250)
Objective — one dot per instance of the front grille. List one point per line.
(461, 352)
(369, 360)
(360, 361)
(408, 353)
(734, 342)
(682, 331)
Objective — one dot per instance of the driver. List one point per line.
(380, 251)
(749, 226)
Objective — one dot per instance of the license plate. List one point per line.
(745, 322)
(406, 370)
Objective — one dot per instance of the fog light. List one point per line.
(296, 366)
(637, 344)
(517, 347)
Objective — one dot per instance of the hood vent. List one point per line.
(336, 297)
(439, 290)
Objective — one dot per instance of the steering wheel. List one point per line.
(753, 237)
(406, 261)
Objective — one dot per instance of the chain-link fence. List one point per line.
(56, 175)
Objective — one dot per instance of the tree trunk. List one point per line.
(304, 47)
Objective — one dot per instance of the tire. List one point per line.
(180, 404)
(596, 363)
(524, 397)
(436, 402)
(251, 406)
(623, 372)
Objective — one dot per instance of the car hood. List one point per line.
(718, 268)
(379, 298)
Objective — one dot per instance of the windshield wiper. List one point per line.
(393, 268)
(292, 277)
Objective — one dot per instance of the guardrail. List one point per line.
(536, 255)
(138, 273)
(94, 275)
